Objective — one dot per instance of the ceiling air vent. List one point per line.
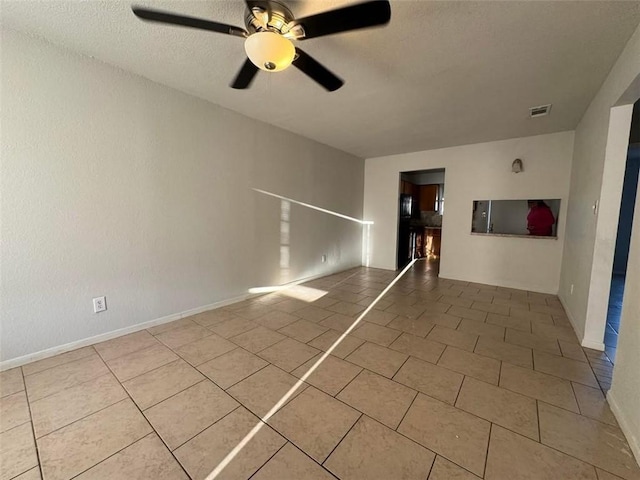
(540, 111)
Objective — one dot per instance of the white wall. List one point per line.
(478, 172)
(114, 185)
(598, 168)
(625, 389)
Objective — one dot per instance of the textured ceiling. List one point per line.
(440, 74)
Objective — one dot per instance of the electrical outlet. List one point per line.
(99, 304)
(324, 258)
(571, 289)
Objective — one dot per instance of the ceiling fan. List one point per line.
(271, 29)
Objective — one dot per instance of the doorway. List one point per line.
(623, 237)
(421, 202)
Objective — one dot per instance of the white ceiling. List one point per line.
(440, 74)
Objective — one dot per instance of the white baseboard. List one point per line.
(634, 442)
(50, 352)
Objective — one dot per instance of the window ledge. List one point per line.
(513, 235)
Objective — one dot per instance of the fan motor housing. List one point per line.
(279, 21)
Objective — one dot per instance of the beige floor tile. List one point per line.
(181, 336)
(437, 382)
(253, 311)
(491, 308)
(443, 319)
(165, 327)
(323, 302)
(379, 317)
(203, 453)
(433, 308)
(288, 354)
(505, 352)
(303, 330)
(418, 347)
(314, 422)
(455, 338)
(263, 390)
(50, 362)
(205, 349)
(519, 324)
(77, 447)
(290, 305)
(602, 475)
(330, 376)
(513, 456)
(344, 348)
(146, 458)
(14, 411)
(553, 332)
(65, 407)
(257, 339)
(458, 301)
(18, 452)
(467, 363)
(415, 326)
(56, 379)
(470, 313)
(534, 317)
(33, 474)
(291, 463)
(593, 404)
(338, 322)
(380, 398)
(213, 317)
(448, 431)
(313, 314)
(346, 308)
(589, 440)
(541, 386)
(142, 361)
(230, 368)
(376, 333)
(567, 368)
(530, 340)
(377, 359)
(503, 407)
(404, 310)
(235, 326)
(572, 350)
(372, 451)
(156, 385)
(277, 319)
(443, 469)
(181, 417)
(119, 346)
(11, 382)
(482, 329)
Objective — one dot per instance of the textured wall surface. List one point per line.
(114, 185)
(479, 172)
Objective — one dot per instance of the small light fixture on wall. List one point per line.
(517, 166)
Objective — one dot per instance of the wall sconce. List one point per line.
(517, 166)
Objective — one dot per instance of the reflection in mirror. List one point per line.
(532, 217)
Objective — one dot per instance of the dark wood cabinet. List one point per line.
(428, 198)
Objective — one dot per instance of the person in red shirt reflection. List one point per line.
(540, 219)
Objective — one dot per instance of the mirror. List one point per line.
(531, 218)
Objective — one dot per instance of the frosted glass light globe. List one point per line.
(269, 51)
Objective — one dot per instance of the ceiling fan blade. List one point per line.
(245, 76)
(354, 17)
(316, 71)
(183, 21)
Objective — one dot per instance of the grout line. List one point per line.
(269, 459)
(33, 430)
(60, 364)
(343, 437)
(486, 456)
(150, 425)
(405, 414)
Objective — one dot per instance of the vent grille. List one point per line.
(540, 111)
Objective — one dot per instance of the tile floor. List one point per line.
(442, 380)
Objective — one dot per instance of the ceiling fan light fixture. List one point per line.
(269, 51)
